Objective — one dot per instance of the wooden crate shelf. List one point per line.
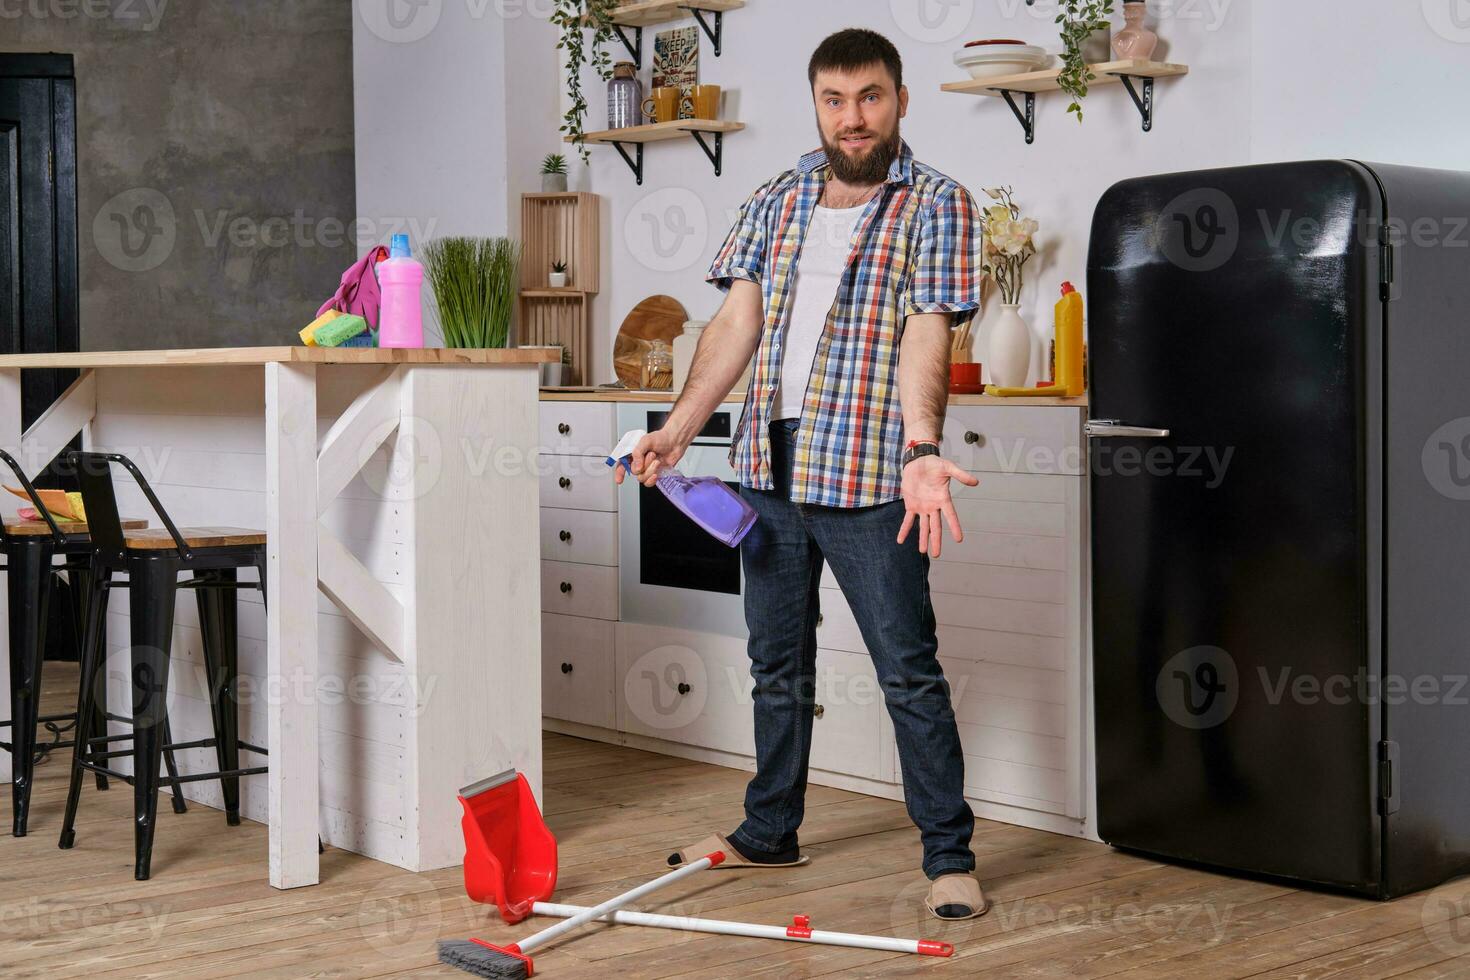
(560, 227)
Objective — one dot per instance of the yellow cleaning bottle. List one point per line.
(1069, 342)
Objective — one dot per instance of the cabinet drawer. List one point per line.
(849, 727)
(578, 428)
(577, 670)
(577, 483)
(685, 687)
(588, 537)
(579, 590)
(1001, 439)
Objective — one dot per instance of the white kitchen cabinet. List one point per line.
(577, 482)
(587, 537)
(577, 670)
(684, 686)
(1009, 602)
(577, 428)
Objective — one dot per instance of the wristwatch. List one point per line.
(917, 448)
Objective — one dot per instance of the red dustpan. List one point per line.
(510, 855)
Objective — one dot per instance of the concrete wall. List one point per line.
(216, 184)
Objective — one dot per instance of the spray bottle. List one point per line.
(705, 500)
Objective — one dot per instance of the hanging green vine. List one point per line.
(575, 18)
(1079, 19)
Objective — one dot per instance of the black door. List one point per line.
(1230, 558)
(38, 218)
(38, 250)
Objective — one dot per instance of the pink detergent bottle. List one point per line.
(401, 319)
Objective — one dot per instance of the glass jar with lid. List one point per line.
(624, 97)
(658, 367)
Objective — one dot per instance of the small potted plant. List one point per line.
(554, 174)
(558, 275)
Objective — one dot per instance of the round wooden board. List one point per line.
(656, 318)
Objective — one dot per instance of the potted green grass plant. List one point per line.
(474, 283)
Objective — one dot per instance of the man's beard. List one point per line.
(870, 168)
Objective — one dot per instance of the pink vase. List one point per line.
(1135, 42)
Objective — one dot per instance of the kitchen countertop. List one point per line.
(616, 395)
(273, 355)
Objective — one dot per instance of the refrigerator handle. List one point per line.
(1101, 428)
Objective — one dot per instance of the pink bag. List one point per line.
(359, 292)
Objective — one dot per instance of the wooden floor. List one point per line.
(1063, 907)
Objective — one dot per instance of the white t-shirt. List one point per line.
(818, 274)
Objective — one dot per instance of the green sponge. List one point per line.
(339, 329)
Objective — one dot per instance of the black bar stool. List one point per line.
(153, 559)
(30, 548)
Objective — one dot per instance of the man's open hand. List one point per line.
(926, 497)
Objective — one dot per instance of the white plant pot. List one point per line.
(1009, 356)
(558, 280)
(553, 183)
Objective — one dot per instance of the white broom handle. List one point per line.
(585, 915)
(926, 947)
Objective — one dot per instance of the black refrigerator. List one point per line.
(1279, 450)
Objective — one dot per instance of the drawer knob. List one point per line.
(685, 688)
(566, 668)
(566, 587)
(565, 483)
(563, 428)
(565, 536)
(973, 438)
(819, 711)
(819, 619)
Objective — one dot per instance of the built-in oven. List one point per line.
(672, 573)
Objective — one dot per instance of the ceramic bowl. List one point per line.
(1007, 59)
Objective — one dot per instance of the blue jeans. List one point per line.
(887, 586)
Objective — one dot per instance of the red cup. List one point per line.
(965, 373)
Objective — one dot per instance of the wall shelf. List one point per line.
(637, 136)
(649, 13)
(1029, 84)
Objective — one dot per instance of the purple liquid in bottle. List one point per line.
(708, 502)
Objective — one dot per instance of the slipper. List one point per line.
(733, 858)
(953, 897)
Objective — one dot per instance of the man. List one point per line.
(843, 278)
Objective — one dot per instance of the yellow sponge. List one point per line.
(308, 336)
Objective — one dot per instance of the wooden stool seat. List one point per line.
(158, 538)
(30, 528)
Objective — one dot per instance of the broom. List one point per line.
(513, 962)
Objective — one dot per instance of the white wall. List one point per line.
(1309, 78)
(1201, 121)
(1379, 82)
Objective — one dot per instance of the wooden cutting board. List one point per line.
(656, 318)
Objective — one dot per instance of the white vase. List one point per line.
(558, 280)
(1009, 356)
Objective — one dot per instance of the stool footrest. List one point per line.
(203, 743)
(45, 718)
(172, 780)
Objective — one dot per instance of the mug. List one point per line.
(965, 374)
(665, 102)
(706, 102)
